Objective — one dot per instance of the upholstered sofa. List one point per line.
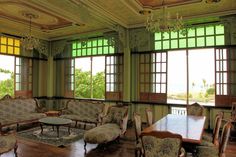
(83, 111)
(17, 111)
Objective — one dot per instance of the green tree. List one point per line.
(7, 86)
(99, 85)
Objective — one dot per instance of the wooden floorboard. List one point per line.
(123, 149)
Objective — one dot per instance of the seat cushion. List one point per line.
(81, 118)
(102, 134)
(204, 151)
(167, 147)
(207, 143)
(207, 137)
(7, 143)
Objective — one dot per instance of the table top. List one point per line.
(55, 121)
(189, 127)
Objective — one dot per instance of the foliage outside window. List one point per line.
(9, 45)
(93, 47)
(199, 36)
(90, 77)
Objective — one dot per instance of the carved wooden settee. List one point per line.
(83, 111)
(17, 111)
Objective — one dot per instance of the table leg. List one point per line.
(41, 126)
(69, 129)
(57, 131)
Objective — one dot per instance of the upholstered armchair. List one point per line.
(5, 97)
(204, 151)
(162, 143)
(195, 109)
(7, 143)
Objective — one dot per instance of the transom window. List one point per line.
(9, 45)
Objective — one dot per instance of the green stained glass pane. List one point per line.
(157, 36)
(89, 44)
(174, 44)
(100, 42)
(191, 32)
(210, 41)
(182, 43)
(158, 45)
(181, 35)
(94, 51)
(200, 41)
(79, 45)
(99, 50)
(210, 30)
(166, 44)
(173, 35)
(200, 31)
(112, 50)
(191, 42)
(220, 29)
(95, 43)
(79, 52)
(166, 35)
(73, 53)
(74, 46)
(84, 52)
(105, 42)
(84, 44)
(89, 51)
(220, 40)
(105, 49)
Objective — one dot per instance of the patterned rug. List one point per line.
(49, 135)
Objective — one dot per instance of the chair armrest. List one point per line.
(41, 109)
(123, 124)
(101, 117)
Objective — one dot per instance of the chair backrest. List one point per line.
(116, 114)
(138, 126)
(224, 138)
(161, 143)
(6, 97)
(149, 116)
(218, 120)
(195, 109)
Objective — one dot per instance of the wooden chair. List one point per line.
(7, 143)
(204, 151)
(195, 109)
(162, 143)
(138, 130)
(210, 140)
(149, 116)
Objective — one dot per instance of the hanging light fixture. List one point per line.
(163, 22)
(28, 42)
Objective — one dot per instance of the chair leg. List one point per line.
(85, 150)
(15, 149)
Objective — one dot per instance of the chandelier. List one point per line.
(163, 22)
(28, 42)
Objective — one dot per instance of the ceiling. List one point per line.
(57, 19)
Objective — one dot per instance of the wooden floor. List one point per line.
(123, 149)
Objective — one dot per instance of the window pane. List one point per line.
(174, 35)
(182, 43)
(210, 30)
(200, 41)
(157, 36)
(166, 44)
(220, 29)
(165, 35)
(191, 42)
(200, 31)
(220, 40)
(174, 44)
(158, 45)
(177, 77)
(201, 80)
(191, 32)
(210, 41)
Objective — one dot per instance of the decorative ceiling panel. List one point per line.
(15, 11)
(159, 3)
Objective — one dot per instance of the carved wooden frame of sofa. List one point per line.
(83, 111)
(17, 111)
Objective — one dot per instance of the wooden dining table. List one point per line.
(189, 127)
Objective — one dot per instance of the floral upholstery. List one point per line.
(115, 115)
(102, 134)
(18, 110)
(207, 137)
(204, 151)
(195, 110)
(84, 111)
(7, 143)
(207, 143)
(166, 147)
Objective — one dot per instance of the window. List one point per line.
(69, 78)
(9, 45)
(23, 77)
(6, 75)
(90, 77)
(152, 77)
(114, 77)
(199, 36)
(93, 47)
